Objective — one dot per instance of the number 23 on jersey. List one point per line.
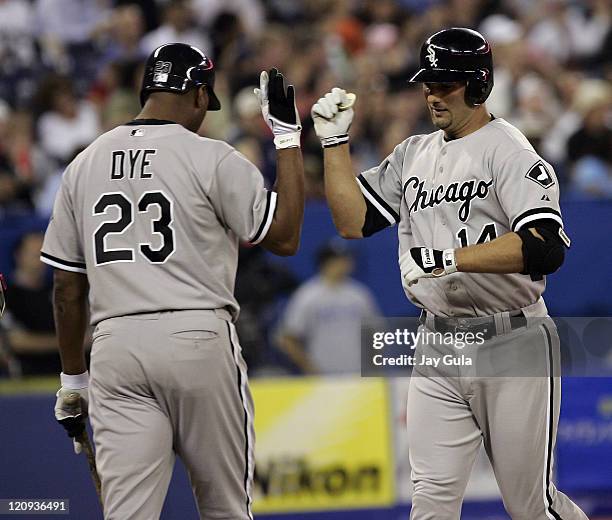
(161, 225)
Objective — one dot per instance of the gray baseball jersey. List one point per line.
(153, 214)
(449, 194)
(327, 319)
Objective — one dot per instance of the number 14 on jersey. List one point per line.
(487, 233)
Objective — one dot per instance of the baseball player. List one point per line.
(479, 227)
(150, 216)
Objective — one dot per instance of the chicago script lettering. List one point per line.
(464, 192)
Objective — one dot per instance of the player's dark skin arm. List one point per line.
(70, 312)
(343, 195)
(283, 237)
(502, 255)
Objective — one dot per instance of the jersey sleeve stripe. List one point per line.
(377, 201)
(75, 267)
(267, 218)
(536, 214)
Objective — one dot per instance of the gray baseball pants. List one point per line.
(166, 384)
(452, 412)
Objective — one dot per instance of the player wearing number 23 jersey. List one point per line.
(149, 218)
(160, 211)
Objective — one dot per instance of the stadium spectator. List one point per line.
(178, 26)
(246, 117)
(250, 13)
(537, 108)
(67, 123)
(505, 35)
(150, 10)
(9, 186)
(32, 335)
(260, 283)
(572, 86)
(248, 135)
(67, 30)
(121, 37)
(8, 179)
(34, 169)
(18, 55)
(22, 165)
(589, 149)
(119, 101)
(320, 331)
(567, 31)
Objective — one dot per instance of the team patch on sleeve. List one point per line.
(540, 175)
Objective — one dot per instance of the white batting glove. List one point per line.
(424, 262)
(331, 123)
(278, 109)
(72, 404)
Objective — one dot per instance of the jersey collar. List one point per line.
(140, 122)
(447, 140)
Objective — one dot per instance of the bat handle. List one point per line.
(83, 438)
(351, 101)
(72, 399)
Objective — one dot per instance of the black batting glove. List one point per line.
(278, 109)
(424, 262)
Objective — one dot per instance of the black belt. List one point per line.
(485, 326)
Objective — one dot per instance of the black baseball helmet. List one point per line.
(458, 54)
(177, 67)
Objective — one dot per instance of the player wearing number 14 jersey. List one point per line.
(479, 228)
(150, 216)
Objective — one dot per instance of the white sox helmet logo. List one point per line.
(431, 56)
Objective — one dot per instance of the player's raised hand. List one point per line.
(278, 108)
(424, 262)
(332, 115)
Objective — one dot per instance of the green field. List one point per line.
(29, 385)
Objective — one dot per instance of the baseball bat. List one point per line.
(351, 101)
(83, 439)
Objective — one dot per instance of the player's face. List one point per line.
(446, 105)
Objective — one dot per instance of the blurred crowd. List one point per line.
(71, 69)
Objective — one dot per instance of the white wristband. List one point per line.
(448, 260)
(287, 141)
(75, 382)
